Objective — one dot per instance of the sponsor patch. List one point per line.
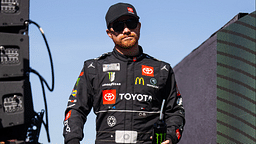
(178, 133)
(147, 70)
(111, 84)
(111, 67)
(73, 101)
(153, 81)
(111, 121)
(77, 81)
(69, 106)
(126, 136)
(91, 65)
(142, 114)
(81, 74)
(164, 68)
(178, 92)
(74, 93)
(68, 115)
(109, 96)
(138, 97)
(139, 80)
(179, 101)
(67, 126)
(153, 86)
(111, 76)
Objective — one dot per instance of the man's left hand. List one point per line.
(166, 142)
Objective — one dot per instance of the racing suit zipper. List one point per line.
(133, 63)
(129, 89)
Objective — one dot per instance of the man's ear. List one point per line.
(139, 25)
(109, 33)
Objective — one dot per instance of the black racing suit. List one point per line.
(126, 94)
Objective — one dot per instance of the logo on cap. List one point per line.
(109, 96)
(130, 10)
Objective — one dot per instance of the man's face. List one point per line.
(127, 37)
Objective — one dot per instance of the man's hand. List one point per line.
(166, 142)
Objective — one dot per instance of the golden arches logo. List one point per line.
(140, 79)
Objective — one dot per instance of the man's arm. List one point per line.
(79, 106)
(174, 110)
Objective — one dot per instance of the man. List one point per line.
(126, 88)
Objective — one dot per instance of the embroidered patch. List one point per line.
(111, 121)
(147, 70)
(109, 96)
(68, 115)
(126, 136)
(111, 67)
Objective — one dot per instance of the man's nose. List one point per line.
(126, 29)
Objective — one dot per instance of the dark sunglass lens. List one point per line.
(131, 23)
(118, 26)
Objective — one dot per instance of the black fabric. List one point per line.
(73, 141)
(125, 98)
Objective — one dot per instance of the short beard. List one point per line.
(128, 45)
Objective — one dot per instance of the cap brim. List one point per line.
(127, 14)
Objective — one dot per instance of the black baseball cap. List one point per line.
(120, 9)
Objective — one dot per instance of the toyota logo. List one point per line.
(147, 70)
(109, 96)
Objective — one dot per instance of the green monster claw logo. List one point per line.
(77, 81)
(111, 76)
(160, 137)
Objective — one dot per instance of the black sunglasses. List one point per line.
(131, 23)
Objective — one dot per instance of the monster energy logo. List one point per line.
(160, 137)
(111, 76)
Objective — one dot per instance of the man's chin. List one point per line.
(125, 46)
(128, 45)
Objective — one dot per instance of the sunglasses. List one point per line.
(131, 23)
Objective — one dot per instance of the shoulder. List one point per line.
(164, 66)
(95, 60)
(103, 56)
(157, 60)
(93, 63)
(150, 57)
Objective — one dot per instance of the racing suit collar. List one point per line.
(129, 58)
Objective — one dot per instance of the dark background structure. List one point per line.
(218, 84)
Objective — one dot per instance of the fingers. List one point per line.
(166, 142)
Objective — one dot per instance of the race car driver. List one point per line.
(125, 88)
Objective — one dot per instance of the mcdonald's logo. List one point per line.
(140, 79)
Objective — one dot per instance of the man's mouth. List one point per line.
(127, 38)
